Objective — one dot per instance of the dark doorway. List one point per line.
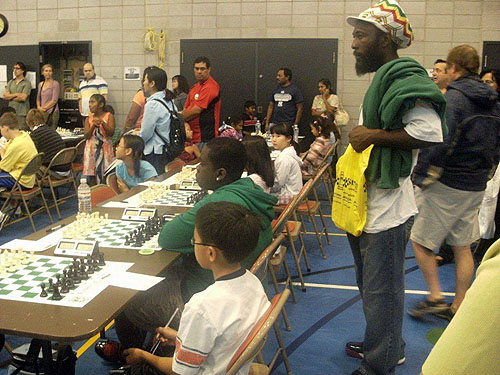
(246, 68)
(491, 55)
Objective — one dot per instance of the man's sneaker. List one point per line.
(355, 349)
(109, 350)
(427, 307)
(3, 219)
(445, 314)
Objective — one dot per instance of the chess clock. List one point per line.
(76, 248)
(138, 214)
(4, 25)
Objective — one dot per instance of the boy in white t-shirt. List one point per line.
(216, 321)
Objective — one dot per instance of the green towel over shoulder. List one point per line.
(394, 90)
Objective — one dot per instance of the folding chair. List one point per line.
(262, 265)
(255, 341)
(112, 182)
(100, 193)
(77, 165)
(25, 196)
(292, 231)
(49, 179)
(310, 207)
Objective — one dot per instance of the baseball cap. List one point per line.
(389, 17)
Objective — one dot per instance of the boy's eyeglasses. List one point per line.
(193, 242)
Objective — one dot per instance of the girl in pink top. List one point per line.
(47, 97)
(321, 128)
(99, 127)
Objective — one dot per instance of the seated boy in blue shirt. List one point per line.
(216, 321)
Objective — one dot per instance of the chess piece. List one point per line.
(64, 286)
(44, 292)
(83, 272)
(56, 295)
(101, 259)
(51, 284)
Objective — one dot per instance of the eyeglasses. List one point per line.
(193, 242)
(17, 68)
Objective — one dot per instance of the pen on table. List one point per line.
(55, 228)
(157, 344)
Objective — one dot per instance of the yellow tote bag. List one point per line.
(349, 196)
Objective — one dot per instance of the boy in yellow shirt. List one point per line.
(14, 155)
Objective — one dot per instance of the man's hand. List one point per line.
(360, 137)
(166, 335)
(133, 356)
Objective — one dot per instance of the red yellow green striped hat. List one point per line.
(388, 16)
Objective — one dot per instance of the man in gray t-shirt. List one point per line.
(18, 92)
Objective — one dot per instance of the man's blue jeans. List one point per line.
(379, 261)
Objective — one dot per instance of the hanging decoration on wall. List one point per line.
(4, 25)
(155, 42)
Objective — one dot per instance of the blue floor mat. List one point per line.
(322, 320)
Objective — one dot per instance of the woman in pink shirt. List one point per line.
(136, 113)
(47, 97)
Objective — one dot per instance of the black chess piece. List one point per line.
(70, 284)
(101, 259)
(83, 272)
(127, 240)
(44, 292)
(51, 284)
(64, 286)
(58, 282)
(56, 296)
(75, 276)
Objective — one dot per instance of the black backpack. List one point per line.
(177, 134)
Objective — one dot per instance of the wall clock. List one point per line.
(4, 25)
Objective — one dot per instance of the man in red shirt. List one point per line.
(202, 108)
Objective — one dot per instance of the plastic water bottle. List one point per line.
(84, 200)
(296, 133)
(257, 127)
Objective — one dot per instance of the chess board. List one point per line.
(113, 233)
(24, 284)
(173, 198)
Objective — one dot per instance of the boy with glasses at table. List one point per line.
(216, 321)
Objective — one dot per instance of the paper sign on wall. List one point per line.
(132, 73)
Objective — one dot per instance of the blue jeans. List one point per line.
(379, 261)
(6, 180)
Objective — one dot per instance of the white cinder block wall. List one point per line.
(116, 28)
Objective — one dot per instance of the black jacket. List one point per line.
(477, 148)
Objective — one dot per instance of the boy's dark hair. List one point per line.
(259, 159)
(230, 227)
(439, 61)
(7, 110)
(10, 120)
(136, 143)
(183, 85)
(202, 59)
(22, 66)
(249, 103)
(227, 153)
(287, 72)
